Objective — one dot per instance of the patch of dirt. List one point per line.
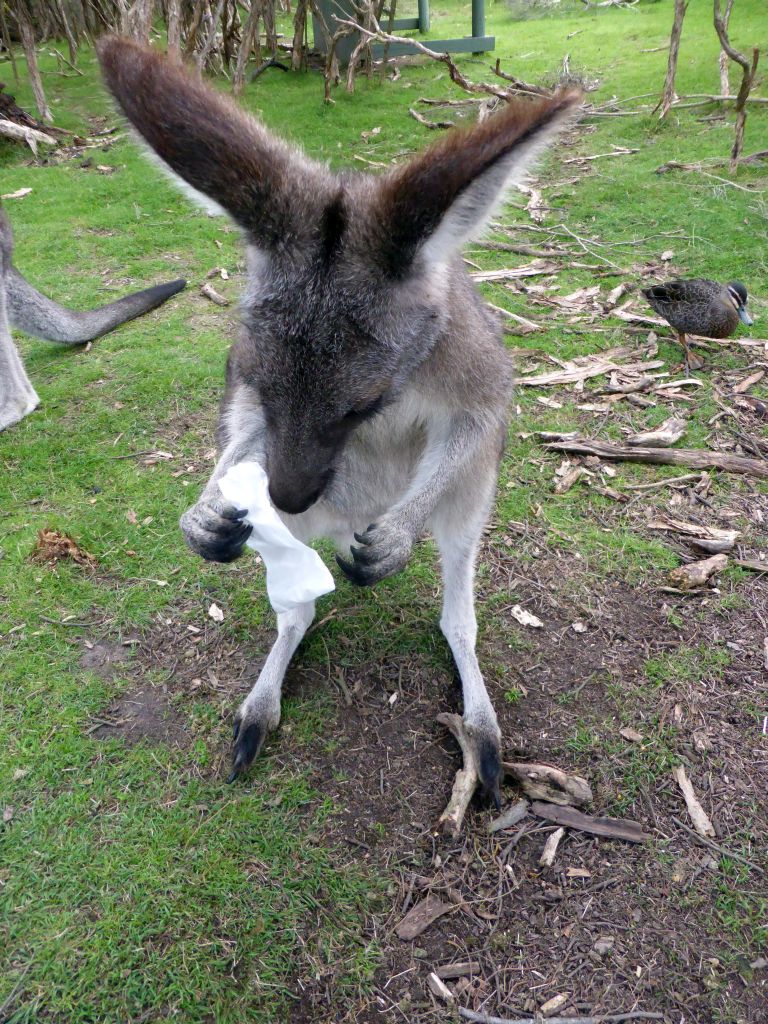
(667, 926)
(102, 657)
(144, 715)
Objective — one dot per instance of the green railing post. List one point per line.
(478, 18)
(423, 15)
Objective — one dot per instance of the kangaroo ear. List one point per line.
(214, 147)
(447, 194)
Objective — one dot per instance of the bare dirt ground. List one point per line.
(668, 926)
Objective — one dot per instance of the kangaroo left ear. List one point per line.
(447, 194)
(215, 148)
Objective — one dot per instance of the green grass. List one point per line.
(133, 884)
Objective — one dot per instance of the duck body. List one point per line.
(699, 306)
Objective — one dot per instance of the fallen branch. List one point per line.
(20, 133)
(210, 293)
(613, 828)
(427, 123)
(526, 326)
(545, 782)
(603, 1018)
(698, 459)
(466, 780)
(725, 539)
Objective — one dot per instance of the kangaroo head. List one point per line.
(347, 273)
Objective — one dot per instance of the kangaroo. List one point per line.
(369, 381)
(23, 307)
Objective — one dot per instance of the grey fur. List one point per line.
(370, 380)
(26, 309)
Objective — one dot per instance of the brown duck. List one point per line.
(700, 307)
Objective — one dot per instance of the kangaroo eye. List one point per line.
(362, 412)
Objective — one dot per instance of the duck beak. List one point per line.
(745, 317)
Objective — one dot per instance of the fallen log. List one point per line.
(697, 458)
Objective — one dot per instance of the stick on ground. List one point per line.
(699, 458)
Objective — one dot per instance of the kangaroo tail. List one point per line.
(33, 313)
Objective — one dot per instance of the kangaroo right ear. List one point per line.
(443, 197)
(210, 144)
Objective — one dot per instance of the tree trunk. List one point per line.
(173, 20)
(137, 21)
(27, 34)
(747, 80)
(250, 41)
(669, 96)
(725, 83)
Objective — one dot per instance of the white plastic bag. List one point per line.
(295, 573)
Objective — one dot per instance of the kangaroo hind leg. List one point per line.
(260, 711)
(457, 525)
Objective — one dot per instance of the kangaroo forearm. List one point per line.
(446, 462)
(245, 444)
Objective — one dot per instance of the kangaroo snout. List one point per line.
(294, 493)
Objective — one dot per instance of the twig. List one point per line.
(427, 123)
(717, 849)
(603, 1018)
(664, 483)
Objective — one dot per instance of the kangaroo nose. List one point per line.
(294, 492)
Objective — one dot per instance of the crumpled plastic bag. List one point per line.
(295, 573)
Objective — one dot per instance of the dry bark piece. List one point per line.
(526, 618)
(545, 782)
(752, 563)
(568, 478)
(554, 1004)
(699, 816)
(52, 546)
(573, 372)
(458, 970)
(666, 434)
(439, 988)
(696, 574)
(548, 854)
(509, 817)
(631, 734)
(698, 458)
(420, 917)
(697, 531)
(613, 828)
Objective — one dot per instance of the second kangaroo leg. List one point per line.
(260, 711)
(457, 525)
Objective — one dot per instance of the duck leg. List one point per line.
(692, 361)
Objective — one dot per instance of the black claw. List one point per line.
(236, 728)
(363, 556)
(235, 515)
(361, 538)
(248, 742)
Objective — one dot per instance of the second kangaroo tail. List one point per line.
(31, 312)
